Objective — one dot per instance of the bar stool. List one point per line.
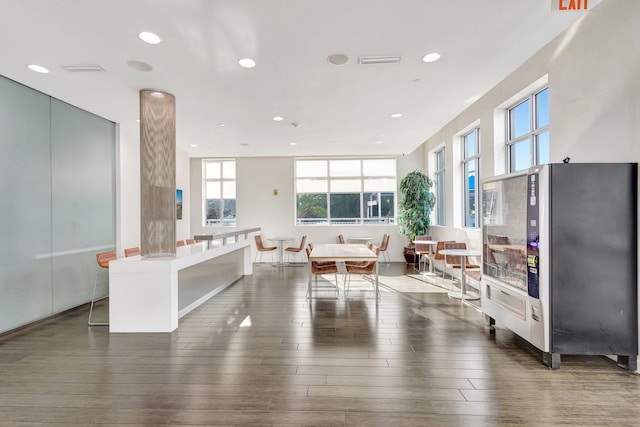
(132, 251)
(103, 262)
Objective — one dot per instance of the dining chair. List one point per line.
(291, 250)
(190, 241)
(319, 268)
(103, 260)
(262, 248)
(180, 243)
(132, 251)
(384, 245)
(364, 268)
(454, 262)
(341, 239)
(437, 256)
(423, 251)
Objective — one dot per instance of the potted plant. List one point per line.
(416, 204)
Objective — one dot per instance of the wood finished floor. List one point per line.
(258, 354)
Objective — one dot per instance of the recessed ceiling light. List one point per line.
(150, 38)
(140, 66)
(396, 115)
(278, 118)
(193, 145)
(221, 125)
(247, 63)
(137, 120)
(293, 143)
(431, 57)
(379, 142)
(37, 68)
(338, 59)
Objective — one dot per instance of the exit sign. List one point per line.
(573, 5)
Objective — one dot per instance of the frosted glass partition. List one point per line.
(57, 201)
(25, 205)
(83, 200)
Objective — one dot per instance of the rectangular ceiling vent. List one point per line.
(82, 68)
(366, 60)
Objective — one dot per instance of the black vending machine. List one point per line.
(560, 258)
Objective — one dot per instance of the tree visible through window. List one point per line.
(219, 190)
(345, 191)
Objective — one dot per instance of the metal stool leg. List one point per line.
(93, 299)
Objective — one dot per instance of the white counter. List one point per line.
(151, 294)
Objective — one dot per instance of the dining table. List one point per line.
(430, 243)
(463, 254)
(338, 252)
(280, 251)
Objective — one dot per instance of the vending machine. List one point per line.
(560, 258)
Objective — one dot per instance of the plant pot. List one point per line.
(410, 256)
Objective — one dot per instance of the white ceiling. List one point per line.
(341, 110)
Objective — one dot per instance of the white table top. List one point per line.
(461, 252)
(426, 242)
(282, 239)
(339, 251)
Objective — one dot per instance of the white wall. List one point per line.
(592, 71)
(257, 206)
(183, 182)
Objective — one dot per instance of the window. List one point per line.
(219, 192)
(528, 131)
(440, 188)
(345, 191)
(471, 172)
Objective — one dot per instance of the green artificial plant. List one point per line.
(416, 204)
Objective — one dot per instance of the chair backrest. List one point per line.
(454, 259)
(104, 258)
(385, 242)
(132, 251)
(302, 242)
(190, 241)
(260, 246)
(341, 238)
(440, 246)
(180, 243)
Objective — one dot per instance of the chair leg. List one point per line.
(93, 299)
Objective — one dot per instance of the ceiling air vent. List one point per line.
(365, 60)
(82, 68)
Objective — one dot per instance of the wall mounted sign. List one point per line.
(573, 5)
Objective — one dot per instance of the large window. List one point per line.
(440, 188)
(219, 192)
(471, 172)
(345, 191)
(528, 131)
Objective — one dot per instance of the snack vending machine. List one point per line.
(560, 258)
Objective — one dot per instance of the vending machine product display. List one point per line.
(559, 258)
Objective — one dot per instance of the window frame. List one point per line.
(533, 133)
(467, 159)
(332, 181)
(440, 187)
(221, 180)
